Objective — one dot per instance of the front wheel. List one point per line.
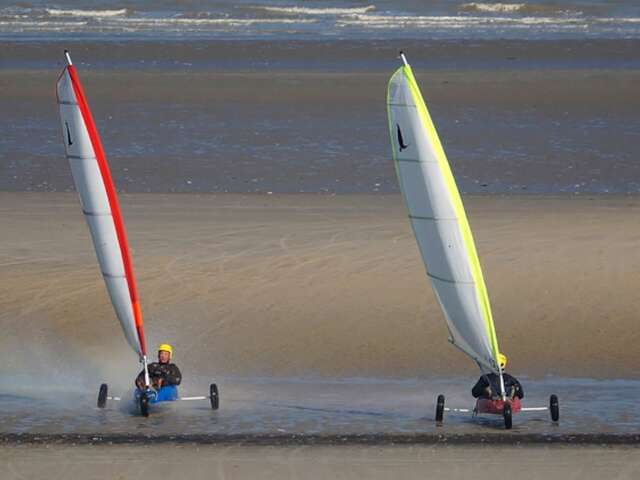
(440, 408)
(214, 396)
(506, 412)
(144, 405)
(554, 408)
(102, 395)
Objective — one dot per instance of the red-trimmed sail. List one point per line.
(100, 206)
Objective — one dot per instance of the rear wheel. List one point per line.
(506, 412)
(554, 408)
(214, 396)
(144, 405)
(102, 395)
(440, 408)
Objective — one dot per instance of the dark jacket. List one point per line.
(168, 372)
(493, 380)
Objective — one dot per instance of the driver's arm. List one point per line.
(519, 391)
(479, 389)
(173, 375)
(140, 380)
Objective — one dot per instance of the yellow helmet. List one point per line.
(165, 347)
(502, 360)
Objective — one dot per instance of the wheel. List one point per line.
(554, 408)
(440, 408)
(506, 412)
(144, 405)
(102, 395)
(214, 396)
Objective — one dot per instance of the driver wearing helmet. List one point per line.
(488, 386)
(162, 373)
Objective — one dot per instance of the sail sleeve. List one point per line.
(100, 206)
(439, 221)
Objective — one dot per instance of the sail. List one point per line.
(439, 221)
(99, 203)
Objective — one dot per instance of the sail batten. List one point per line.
(439, 221)
(100, 206)
(447, 280)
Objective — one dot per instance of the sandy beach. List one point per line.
(319, 285)
(206, 462)
(248, 143)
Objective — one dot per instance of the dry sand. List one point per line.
(210, 462)
(318, 285)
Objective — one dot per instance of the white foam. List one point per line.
(614, 20)
(210, 21)
(319, 11)
(138, 24)
(493, 7)
(56, 12)
(452, 22)
(39, 24)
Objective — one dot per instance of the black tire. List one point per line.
(214, 396)
(144, 405)
(554, 408)
(440, 408)
(508, 420)
(102, 395)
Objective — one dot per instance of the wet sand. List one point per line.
(558, 118)
(323, 55)
(329, 286)
(195, 462)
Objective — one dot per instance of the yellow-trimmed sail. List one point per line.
(439, 221)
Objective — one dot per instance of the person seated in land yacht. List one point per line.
(488, 386)
(164, 376)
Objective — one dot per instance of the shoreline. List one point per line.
(304, 439)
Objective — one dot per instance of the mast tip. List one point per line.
(403, 58)
(67, 57)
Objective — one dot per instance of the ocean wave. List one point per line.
(617, 20)
(41, 24)
(504, 19)
(461, 22)
(209, 21)
(231, 22)
(149, 24)
(492, 7)
(520, 8)
(317, 11)
(57, 12)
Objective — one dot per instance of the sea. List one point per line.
(439, 19)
